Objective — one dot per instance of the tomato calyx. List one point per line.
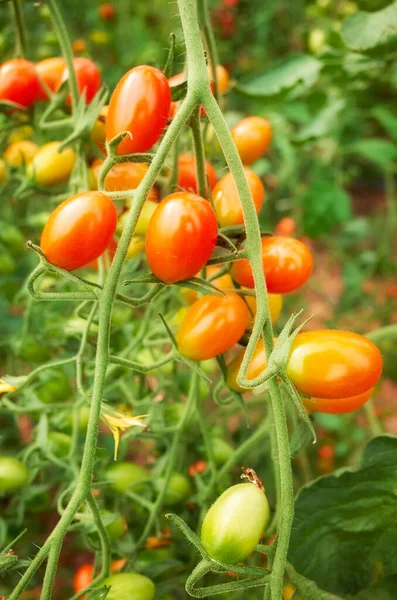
(252, 477)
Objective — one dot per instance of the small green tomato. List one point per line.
(128, 586)
(13, 474)
(178, 489)
(235, 523)
(125, 476)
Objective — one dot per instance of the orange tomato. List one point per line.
(88, 78)
(252, 137)
(286, 226)
(227, 202)
(275, 306)
(20, 153)
(124, 176)
(222, 78)
(98, 132)
(255, 368)
(50, 71)
(187, 176)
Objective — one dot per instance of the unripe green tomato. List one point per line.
(13, 474)
(12, 238)
(316, 40)
(174, 413)
(235, 523)
(178, 489)
(121, 315)
(7, 263)
(54, 388)
(147, 357)
(83, 418)
(32, 351)
(59, 443)
(128, 586)
(125, 476)
(221, 449)
(209, 366)
(115, 525)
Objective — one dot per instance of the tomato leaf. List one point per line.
(301, 437)
(169, 64)
(377, 150)
(323, 122)
(350, 518)
(387, 119)
(299, 69)
(307, 589)
(366, 31)
(324, 205)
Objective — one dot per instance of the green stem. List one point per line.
(374, 423)
(389, 332)
(243, 449)
(199, 153)
(210, 43)
(20, 36)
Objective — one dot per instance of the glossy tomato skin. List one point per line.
(124, 176)
(79, 230)
(187, 178)
(333, 364)
(227, 202)
(287, 264)
(13, 474)
(181, 236)
(255, 368)
(50, 71)
(212, 325)
(19, 82)
(49, 166)
(337, 406)
(125, 586)
(252, 137)
(20, 153)
(235, 523)
(88, 78)
(140, 104)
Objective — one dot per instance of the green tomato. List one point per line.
(125, 476)
(7, 263)
(178, 488)
(209, 366)
(121, 315)
(13, 474)
(55, 387)
(12, 238)
(59, 443)
(83, 418)
(235, 523)
(32, 351)
(115, 525)
(128, 586)
(174, 412)
(222, 450)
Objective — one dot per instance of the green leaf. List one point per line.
(366, 31)
(379, 151)
(344, 536)
(301, 437)
(299, 69)
(307, 589)
(384, 590)
(387, 119)
(323, 122)
(324, 205)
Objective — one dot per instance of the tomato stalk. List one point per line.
(20, 37)
(199, 153)
(209, 39)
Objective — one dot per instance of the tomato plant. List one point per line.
(227, 202)
(19, 82)
(88, 78)
(187, 175)
(130, 585)
(252, 137)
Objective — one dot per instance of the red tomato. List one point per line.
(107, 11)
(181, 236)
(187, 178)
(140, 104)
(88, 78)
(79, 46)
(333, 364)
(108, 255)
(79, 230)
(211, 326)
(19, 82)
(252, 137)
(286, 226)
(287, 264)
(337, 405)
(227, 201)
(50, 70)
(82, 578)
(124, 176)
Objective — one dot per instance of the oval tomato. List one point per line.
(222, 78)
(83, 577)
(275, 302)
(50, 71)
(20, 153)
(333, 364)
(221, 450)
(59, 443)
(337, 406)
(19, 82)
(125, 586)
(139, 104)
(49, 166)
(287, 264)
(79, 230)
(252, 137)
(107, 11)
(98, 132)
(211, 326)
(187, 177)
(13, 474)
(286, 226)
(227, 202)
(108, 256)
(88, 78)
(126, 475)
(255, 368)
(178, 489)
(124, 176)
(235, 523)
(181, 236)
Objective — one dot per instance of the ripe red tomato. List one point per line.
(140, 104)
(333, 364)
(88, 78)
(187, 178)
(108, 255)
(337, 406)
(287, 264)
(83, 577)
(286, 226)
(227, 201)
(211, 326)
(181, 236)
(252, 137)
(19, 82)
(124, 176)
(79, 230)
(107, 11)
(50, 70)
